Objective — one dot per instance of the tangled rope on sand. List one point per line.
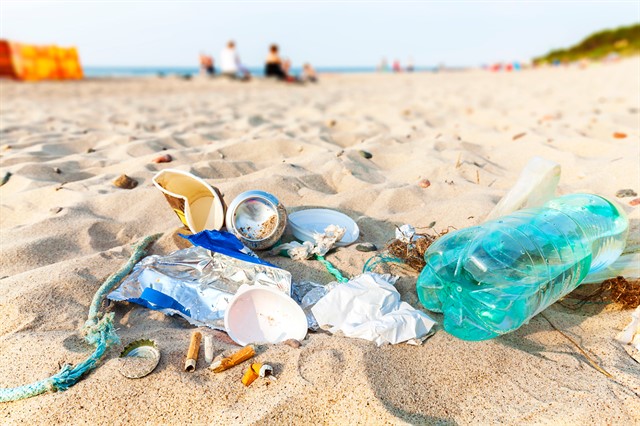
(97, 331)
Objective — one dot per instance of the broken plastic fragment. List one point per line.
(631, 333)
(536, 185)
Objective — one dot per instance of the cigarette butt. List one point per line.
(192, 354)
(235, 359)
(208, 348)
(262, 370)
(250, 375)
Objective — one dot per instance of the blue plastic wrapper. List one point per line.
(198, 283)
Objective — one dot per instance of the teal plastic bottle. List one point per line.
(490, 279)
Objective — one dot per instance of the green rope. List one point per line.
(332, 269)
(98, 331)
(378, 259)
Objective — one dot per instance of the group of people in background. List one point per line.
(395, 67)
(275, 67)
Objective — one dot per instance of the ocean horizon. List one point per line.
(147, 71)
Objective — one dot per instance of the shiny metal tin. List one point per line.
(257, 218)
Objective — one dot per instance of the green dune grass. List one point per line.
(624, 41)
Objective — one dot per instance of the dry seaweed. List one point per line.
(412, 253)
(623, 293)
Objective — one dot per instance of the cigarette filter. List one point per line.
(192, 354)
(237, 358)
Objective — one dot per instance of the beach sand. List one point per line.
(469, 133)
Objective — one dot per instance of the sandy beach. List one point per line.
(64, 228)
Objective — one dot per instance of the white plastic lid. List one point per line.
(305, 222)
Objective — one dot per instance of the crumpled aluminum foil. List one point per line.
(307, 294)
(195, 284)
(405, 233)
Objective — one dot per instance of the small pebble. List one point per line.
(519, 135)
(619, 135)
(90, 150)
(57, 170)
(293, 343)
(365, 154)
(424, 183)
(339, 153)
(5, 178)
(365, 247)
(55, 210)
(164, 158)
(621, 193)
(125, 182)
(634, 202)
(332, 123)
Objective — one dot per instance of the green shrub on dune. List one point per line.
(623, 41)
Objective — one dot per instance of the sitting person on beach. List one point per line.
(230, 64)
(206, 65)
(308, 73)
(273, 66)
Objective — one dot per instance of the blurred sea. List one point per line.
(90, 71)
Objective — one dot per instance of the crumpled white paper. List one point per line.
(369, 307)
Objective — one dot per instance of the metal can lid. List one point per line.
(139, 358)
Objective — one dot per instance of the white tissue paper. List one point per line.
(369, 307)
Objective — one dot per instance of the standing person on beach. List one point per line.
(382, 67)
(410, 66)
(230, 64)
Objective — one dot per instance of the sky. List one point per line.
(326, 34)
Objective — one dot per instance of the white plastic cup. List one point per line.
(259, 314)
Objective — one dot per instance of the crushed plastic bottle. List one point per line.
(490, 279)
